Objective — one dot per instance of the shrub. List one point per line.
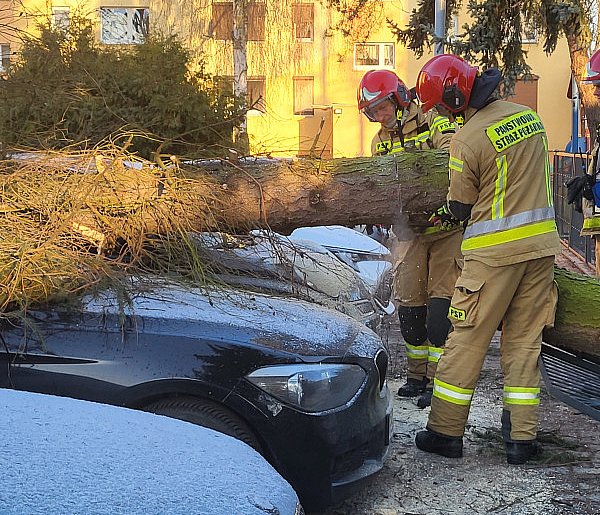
(69, 91)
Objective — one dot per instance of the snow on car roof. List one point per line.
(69, 456)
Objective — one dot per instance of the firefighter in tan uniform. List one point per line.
(500, 181)
(425, 277)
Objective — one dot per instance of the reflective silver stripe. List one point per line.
(456, 164)
(416, 351)
(435, 353)
(521, 395)
(453, 394)
(509, 222)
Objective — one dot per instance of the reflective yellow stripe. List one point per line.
(452, 394)
(386, 146)
(591, 223)
(517, 233)
(456, 164)
(435, 353)
(422, 137)
(514, 129)
(416, 351)
(432, 230)
(498, 202)
(521, 395)
(442, 124)
(437, 121)
(548, 173)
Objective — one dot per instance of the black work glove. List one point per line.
(443, 219)
(577, 189)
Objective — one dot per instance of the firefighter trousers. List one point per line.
(428, 271)
(523, 297)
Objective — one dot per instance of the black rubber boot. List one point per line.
(412, 387)
(448, 446)
(518, 453)
(425, 400)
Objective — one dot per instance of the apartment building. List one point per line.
(303, 63)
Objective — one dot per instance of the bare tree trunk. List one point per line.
(240, 64)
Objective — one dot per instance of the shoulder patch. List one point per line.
(514, 129)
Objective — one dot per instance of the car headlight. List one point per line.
(317, 387)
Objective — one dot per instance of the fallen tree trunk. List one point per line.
(107, 202)
(288, 194)
(577, 324)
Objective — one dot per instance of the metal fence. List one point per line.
(569, 221)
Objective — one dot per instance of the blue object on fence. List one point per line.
(596, 190)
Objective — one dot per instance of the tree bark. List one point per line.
(284, 195)
(577, 324)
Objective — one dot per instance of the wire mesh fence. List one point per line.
(568, 220)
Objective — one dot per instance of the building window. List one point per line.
(454, 29)
(221, 25)
(4, 57)
(256, 94)
(61, 18)
(368, 56)
(124, 25)
(526, 92)
(256, 21)
(529, 34)
(304, 21)
(304, 95)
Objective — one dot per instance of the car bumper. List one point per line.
(325, 456)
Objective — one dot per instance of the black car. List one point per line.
(304, 385)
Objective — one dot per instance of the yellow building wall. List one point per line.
(336, 128)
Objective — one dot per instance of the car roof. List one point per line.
(64, 455)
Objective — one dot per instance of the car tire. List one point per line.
(206, 413)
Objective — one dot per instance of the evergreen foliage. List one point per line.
(69, 91)
(494, 37)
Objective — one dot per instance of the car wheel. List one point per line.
(205, 413)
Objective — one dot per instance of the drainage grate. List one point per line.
(572, 379)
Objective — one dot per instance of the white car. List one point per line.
(63, 455)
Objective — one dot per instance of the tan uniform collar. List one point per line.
(470, 111)
(410, 112)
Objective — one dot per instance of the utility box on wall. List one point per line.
(315, 134)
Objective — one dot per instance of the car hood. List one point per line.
(279, 323)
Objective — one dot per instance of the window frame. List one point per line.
(309, 111)
(261, 105)
(380, 53)
(300, 5)
(221, 27)
(59, 18)
(530, 34)
(131, 31)
(5, 53)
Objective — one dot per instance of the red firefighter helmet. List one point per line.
(446, 79)
(592, 69)
(379, 85)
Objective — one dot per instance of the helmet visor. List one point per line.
(374, 108)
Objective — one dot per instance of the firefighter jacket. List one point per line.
(591, 212)
(499, 164)
(417, 131)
